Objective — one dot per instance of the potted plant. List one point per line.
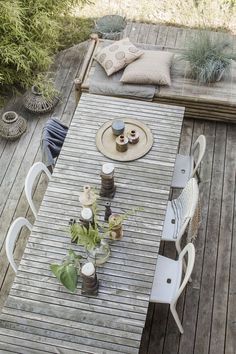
(115, 226)
(92, 239)
(110, 26)
(115, 223)
(67, 272)
(42, 97)
(208, 58)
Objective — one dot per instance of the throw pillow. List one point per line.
(117, 55)
(152, 68)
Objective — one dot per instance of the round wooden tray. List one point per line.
(106, 141)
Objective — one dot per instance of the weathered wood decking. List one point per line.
(215, 101)
(208, 306)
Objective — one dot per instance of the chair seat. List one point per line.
(183, 169)
(167, 280)
(170, 228)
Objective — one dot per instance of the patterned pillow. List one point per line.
(117, 55)
(153, 68)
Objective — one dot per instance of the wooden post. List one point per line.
(87, 59)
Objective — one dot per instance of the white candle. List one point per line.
(108, 168)
(86, 213)
(88, 269)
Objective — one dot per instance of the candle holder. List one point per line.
(108, 187)
(133, 137)
(108, 211)
(122, 143)
(118, 127)
(89, 279)
(86, 218)
(87, 197)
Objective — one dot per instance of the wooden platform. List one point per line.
(215, 101)
(208, 307)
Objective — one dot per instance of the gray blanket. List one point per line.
(53, 136)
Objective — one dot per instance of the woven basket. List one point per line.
(110, 26)
(12, 126)
(35, 102)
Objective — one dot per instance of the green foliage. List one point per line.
(208, 57)
(118, 219)
(67, 272)
(45, 85)
(110, 24)
(29, 32)
(74, 30)
(89, 238)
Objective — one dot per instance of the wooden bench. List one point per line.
(214, 102)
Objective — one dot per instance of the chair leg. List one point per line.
(178, 248)
(177, 245)
(176, 318)
(198, 177)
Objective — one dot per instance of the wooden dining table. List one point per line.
(40, 315)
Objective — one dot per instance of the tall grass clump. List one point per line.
(29, 32)
(208, 57)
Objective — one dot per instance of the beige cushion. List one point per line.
(152, 68)
(117, 55)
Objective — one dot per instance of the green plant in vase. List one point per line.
(92, 239)
(67, 272)
(44, 85)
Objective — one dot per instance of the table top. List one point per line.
(41, 316)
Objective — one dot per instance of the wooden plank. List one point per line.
(230, 341)
(202, 339)
(219, 318)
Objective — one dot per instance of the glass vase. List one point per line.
(99, 254)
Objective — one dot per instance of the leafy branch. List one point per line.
(67, 272)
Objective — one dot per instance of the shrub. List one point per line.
(29, 32)
(74, 30)
(208, 57)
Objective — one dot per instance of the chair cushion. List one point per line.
(152, 68)
(182, 170)
(166, 281)
(117, 55)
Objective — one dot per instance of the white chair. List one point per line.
(186, 166)
(179, 213)
(167, 285)
(34, 171)
(12, 235)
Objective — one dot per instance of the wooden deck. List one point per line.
(214, 101)
(208, 306)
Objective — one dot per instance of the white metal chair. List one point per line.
(34, 171)
(167, 285)
(186, 166)
(179, 213)
(12, 235)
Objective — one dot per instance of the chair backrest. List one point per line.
(190, 250)
(34, 171)
(185, 206)
(199, 144)
(12, 235)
